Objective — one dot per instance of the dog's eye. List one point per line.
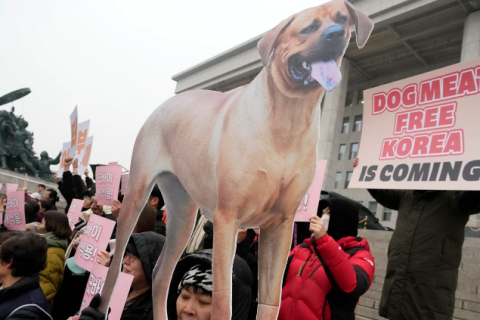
(314, 26)
(341, 19)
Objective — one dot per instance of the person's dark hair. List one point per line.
(57, 223)
(53, 196)
(157, 194)
(42, 185)
(34, 205)
(146, 221)
(30, 213)
(26, 252)
(47, 205)
(197, 289)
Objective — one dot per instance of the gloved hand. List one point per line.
(91, 312)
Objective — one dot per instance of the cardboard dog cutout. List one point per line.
(245, 157)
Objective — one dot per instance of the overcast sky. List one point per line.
(115, 59)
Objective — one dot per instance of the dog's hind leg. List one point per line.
(181, 215)
(142, 179)
(274, 246)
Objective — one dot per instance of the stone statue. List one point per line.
(16, 148)
(8, 127)
(43, 166)
(22, 147)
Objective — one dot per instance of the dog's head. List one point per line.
(304, 52)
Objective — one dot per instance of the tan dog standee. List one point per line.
(245, 157)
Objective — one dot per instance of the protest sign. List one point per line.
(81, 146)
(65, 154)
(84, 159)
(125, 178)
(309, 205)
(74, 212)
(93, 241)
(421, 133)
(107, 182)
(74, 131)
(11, 187)
(15, 211)
(95, 285)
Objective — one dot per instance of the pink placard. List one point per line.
(74, 212)
(107, 181)
(15, 211)
(309, 205)
(120, 293)
(125, 178)
(93, 241)
(11, 187)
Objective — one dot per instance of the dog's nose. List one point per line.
(334, 33)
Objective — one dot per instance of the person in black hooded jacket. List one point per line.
(141, 255)
(241, 283)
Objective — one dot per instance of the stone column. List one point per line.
(471, 50)
(332, 115)
(471, 37)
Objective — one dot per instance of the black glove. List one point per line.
(91, 312)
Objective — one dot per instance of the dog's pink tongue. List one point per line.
(327, 74)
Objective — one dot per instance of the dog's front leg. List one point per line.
(225, 228)
(274, 246)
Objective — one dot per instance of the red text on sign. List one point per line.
(424, 145)
(437, 117)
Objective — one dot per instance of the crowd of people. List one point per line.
(324, 277)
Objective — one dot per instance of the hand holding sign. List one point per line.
(317, 227)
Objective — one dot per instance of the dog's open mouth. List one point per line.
(312, 74)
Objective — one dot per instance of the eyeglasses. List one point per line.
(129, 258)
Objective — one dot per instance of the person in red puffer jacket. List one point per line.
(326, 275)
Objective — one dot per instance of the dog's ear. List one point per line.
(267, 43)
(363, 25)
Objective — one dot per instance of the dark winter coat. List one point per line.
(241, 283)
(24, 300)
(312, 292)
(425, 251)
(69, 297)
(73, 187)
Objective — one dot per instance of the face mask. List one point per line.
(326, 220)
